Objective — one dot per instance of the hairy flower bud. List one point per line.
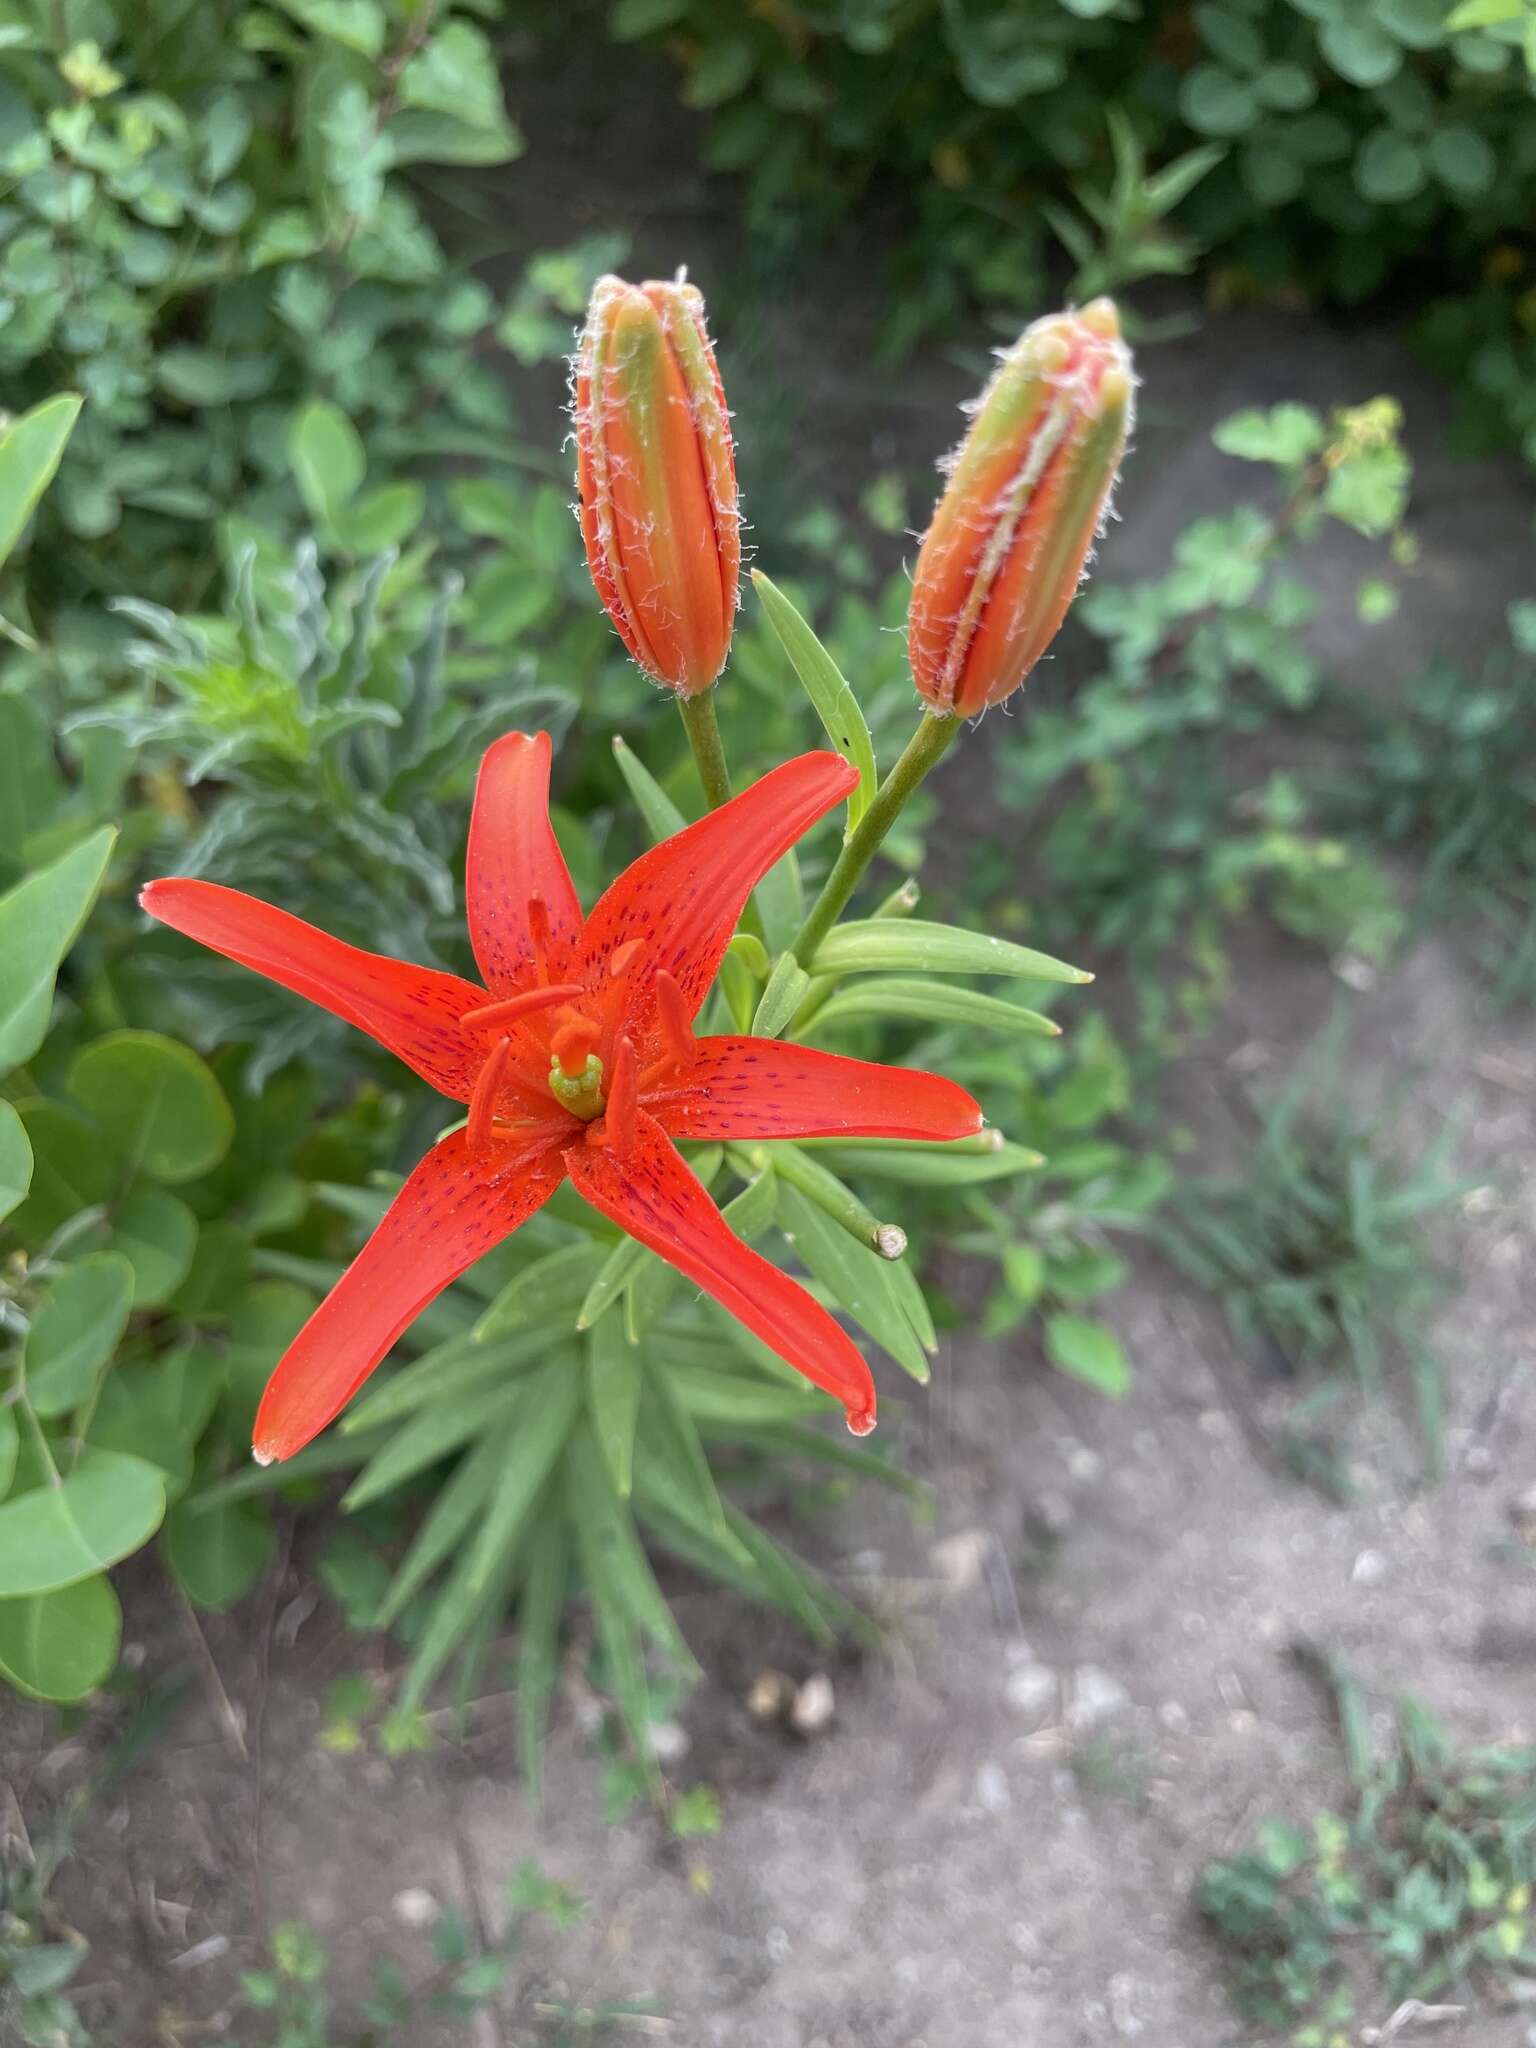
(1027, 494)
(657, 479)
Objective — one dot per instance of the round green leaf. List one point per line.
(15, 1159)
(1418, 23)
(1462, 161)
(1359, 51)
(57, 1535)
(1271, 175)
(61, 1645)
(1088, 1351)
(1215, 102)
(10, 1445)
(71, 1169)
(1388, 169)
(76, 1330)
(1286, 87)
(218, 1554)
(157, 1234)
(157, 1100)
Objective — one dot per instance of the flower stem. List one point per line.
(935, 734)
(703, 730)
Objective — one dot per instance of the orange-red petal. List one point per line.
(513, 857)
(414, 1011)
(682, 899)
(454, 1207)
(651, 1194)
(760, 1088)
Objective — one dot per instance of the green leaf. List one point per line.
(935, 1002)
(30, 451)
(54, 1536)
(1482, 14)
(385, 518)
(31, 788)
(325, 452)
(1390, 168)
(356, 24)
(62, 1645)
(1359, 51)
(782, 996)
(552, 1405)
(39, 919)
(612, 1277)
(1463, 161)
(857, 1279)
(937, 1166)
(454, 72)
(459, 1501)
(1217, 103)
(824, 683)
(10, 1447)
(538, 1649)
(1285, 435)
(897, 945)
(158, 1102)
(77, 1328)
(1086, 1349)
(549, 1292)
(157, 1235)
(661, 815)
(15, 1159)
(218, 1554)
(613, 1400)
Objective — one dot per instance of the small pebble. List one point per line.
(960, 1559)
(1094, 1698)
(1368, 1569)
(770, 1695)
(992, 1788)
(815, 1705)
(415, 1907)
(1032, 1689)
(670, 1741)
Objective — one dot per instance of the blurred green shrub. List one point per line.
(1362, 142)
(209, 219)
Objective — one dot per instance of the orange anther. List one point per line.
(493, 1016)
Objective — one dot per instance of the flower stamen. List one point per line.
(494, 1016)
(482, 1102)
(620, 1125)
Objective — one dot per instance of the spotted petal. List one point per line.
(651, 1194)
(682, 900)
(760, 1088)
(455, 1206)
(514, 857)
(415, 1011)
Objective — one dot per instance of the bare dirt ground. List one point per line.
(1088, 1690)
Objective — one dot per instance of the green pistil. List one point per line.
(581, 1094)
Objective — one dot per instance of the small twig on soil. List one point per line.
(259, 1738)
(224, 1706)
(487, 2020)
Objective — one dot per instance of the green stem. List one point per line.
(703, 730)
(935, 735)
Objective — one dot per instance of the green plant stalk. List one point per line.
(703, 730)
(817, 1184)
(935, 734)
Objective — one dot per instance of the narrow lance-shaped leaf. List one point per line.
(857, 1280)
(903, 945)
(827, 687)
(613, 1400)
(662, 816)
(39, 919)
(30, 451)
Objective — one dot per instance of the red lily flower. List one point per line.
(577, 1060)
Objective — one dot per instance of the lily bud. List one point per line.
(1027, 494)
(657, 479)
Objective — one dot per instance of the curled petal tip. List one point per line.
(861, 1420)
(261, 1455)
